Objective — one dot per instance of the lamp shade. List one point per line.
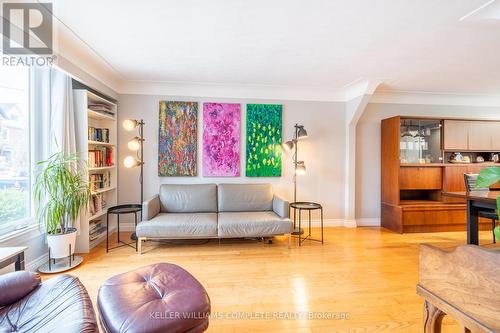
(134, 144)
(131, 161)
(302, 133)
(287, 146)
(130, 124)
(300, 169)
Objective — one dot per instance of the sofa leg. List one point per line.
(139, 244)
(290, 241)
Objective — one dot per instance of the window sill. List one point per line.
(29, 232)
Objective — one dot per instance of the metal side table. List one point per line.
(120, 210)
(309, 207)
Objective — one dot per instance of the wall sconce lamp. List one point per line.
(137, 145)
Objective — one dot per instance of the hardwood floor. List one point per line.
(369, 274)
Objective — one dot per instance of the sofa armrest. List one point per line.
(150, 208)
(16, 285)
(280, 207)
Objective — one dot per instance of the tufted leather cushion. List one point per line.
(60, 304)
(157, 298)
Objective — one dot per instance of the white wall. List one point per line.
(368, 146)
(323, 151)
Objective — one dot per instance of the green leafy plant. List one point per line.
(61, 190)
(488, 177)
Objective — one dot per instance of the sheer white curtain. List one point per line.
(62, 112)
(55, 116)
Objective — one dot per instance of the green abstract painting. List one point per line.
(263, 140)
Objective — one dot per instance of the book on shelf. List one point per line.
(97, 233)
(98, 134)
(94, 225)
(102, 108)
(98, 204)
(100, 157)
(99, 180)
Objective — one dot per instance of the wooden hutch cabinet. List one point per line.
(416, 168)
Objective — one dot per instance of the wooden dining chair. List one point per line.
(470, 185)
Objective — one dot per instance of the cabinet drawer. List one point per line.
(420, 178)
(435, 217)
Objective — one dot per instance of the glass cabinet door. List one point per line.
(420, 141)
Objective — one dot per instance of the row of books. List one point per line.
(100, 180)
(102, 108)
(99, 134)
(100, 157)
(97, 204)
(96, 229)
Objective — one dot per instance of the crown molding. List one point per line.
(432, 98)
(78, 59)
(218, 90)
(360, 87)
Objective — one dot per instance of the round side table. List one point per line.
(120, 210)
(309, 207)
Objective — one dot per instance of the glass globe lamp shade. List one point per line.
(301, 168)
(130, 124)
(134, 144)
(130, 162)
(287, 146)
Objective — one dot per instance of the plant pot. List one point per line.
(59, 244)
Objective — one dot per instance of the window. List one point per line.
(15, 153)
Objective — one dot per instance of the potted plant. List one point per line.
(488, 177)
(61, 191)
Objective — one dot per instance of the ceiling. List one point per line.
(329, 44)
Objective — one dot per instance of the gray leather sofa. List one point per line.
(214, 211)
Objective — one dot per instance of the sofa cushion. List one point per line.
(179, 225)
(189, 198)
(252, 224)
(245, 197)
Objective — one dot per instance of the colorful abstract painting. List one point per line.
(177, 141)
(263, 140)
(221, 140)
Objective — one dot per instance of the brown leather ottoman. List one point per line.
(157, 298)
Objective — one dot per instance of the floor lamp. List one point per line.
(137, 145)
(299, 166)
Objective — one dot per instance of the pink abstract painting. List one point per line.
(221, 139)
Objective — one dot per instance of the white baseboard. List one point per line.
(369, 222)
(34, 264)
(350, 223)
